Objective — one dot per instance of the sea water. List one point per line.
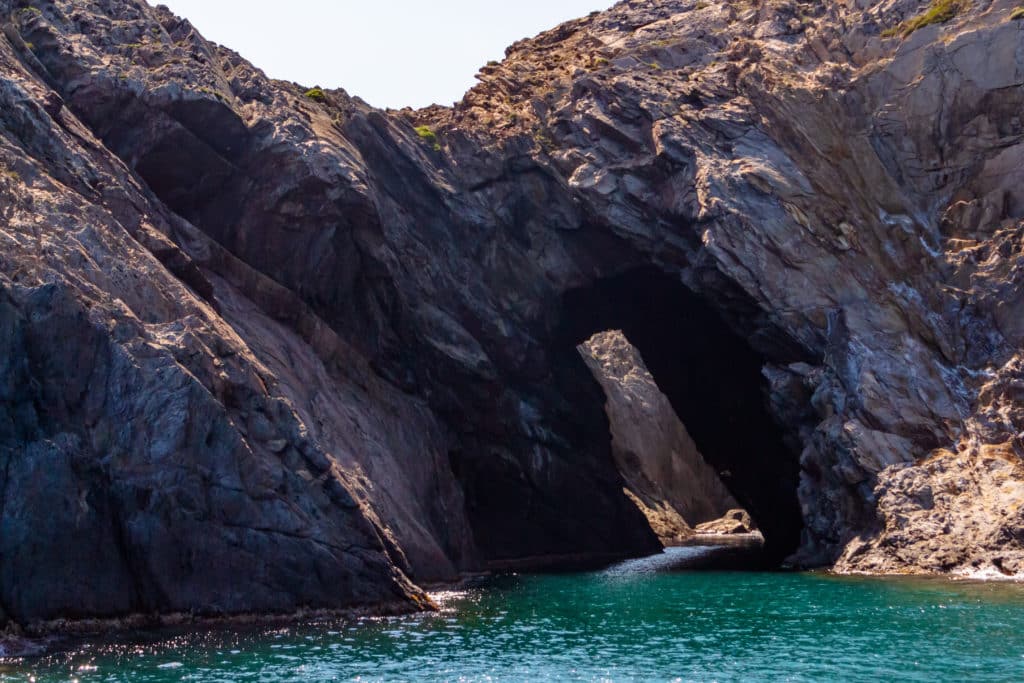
(642, 620)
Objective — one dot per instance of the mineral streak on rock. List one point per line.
(261, 351)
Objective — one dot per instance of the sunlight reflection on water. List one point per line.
(646, 619)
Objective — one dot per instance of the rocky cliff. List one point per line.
(263, 347)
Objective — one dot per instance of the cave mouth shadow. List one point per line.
(712, 377)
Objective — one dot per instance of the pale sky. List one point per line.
(392, 53)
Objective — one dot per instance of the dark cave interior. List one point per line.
(713, 380)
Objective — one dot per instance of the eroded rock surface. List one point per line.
(262, 351)
(732, 522)
(666, 475)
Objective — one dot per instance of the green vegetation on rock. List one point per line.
(316, 94)
(429, 136)
(939, 12)
(1017, 13)
(543, 138)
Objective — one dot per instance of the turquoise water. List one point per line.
(636, 621)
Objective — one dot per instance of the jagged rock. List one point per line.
(732, 522)
(955, 512)
(812, 232)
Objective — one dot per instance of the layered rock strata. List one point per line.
(265, 348)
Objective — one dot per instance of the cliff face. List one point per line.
(266, 349)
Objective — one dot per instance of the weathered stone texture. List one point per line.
(261, 352)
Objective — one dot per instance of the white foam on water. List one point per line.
(986, 574)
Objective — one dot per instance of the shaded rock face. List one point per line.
(150, 465)
(665, 474)
(264, 352)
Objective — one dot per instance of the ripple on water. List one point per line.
(647, 619)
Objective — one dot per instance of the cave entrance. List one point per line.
(665, 474)
(712, 378)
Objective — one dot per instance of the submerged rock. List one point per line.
(263, 351)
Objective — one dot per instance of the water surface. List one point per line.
(641, 620)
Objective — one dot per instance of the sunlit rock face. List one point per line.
(664, 473)
(263, 351)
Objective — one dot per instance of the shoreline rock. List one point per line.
(41, 639)
(260, 350)
(731, 523)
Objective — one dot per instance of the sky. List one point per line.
(391, 53)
